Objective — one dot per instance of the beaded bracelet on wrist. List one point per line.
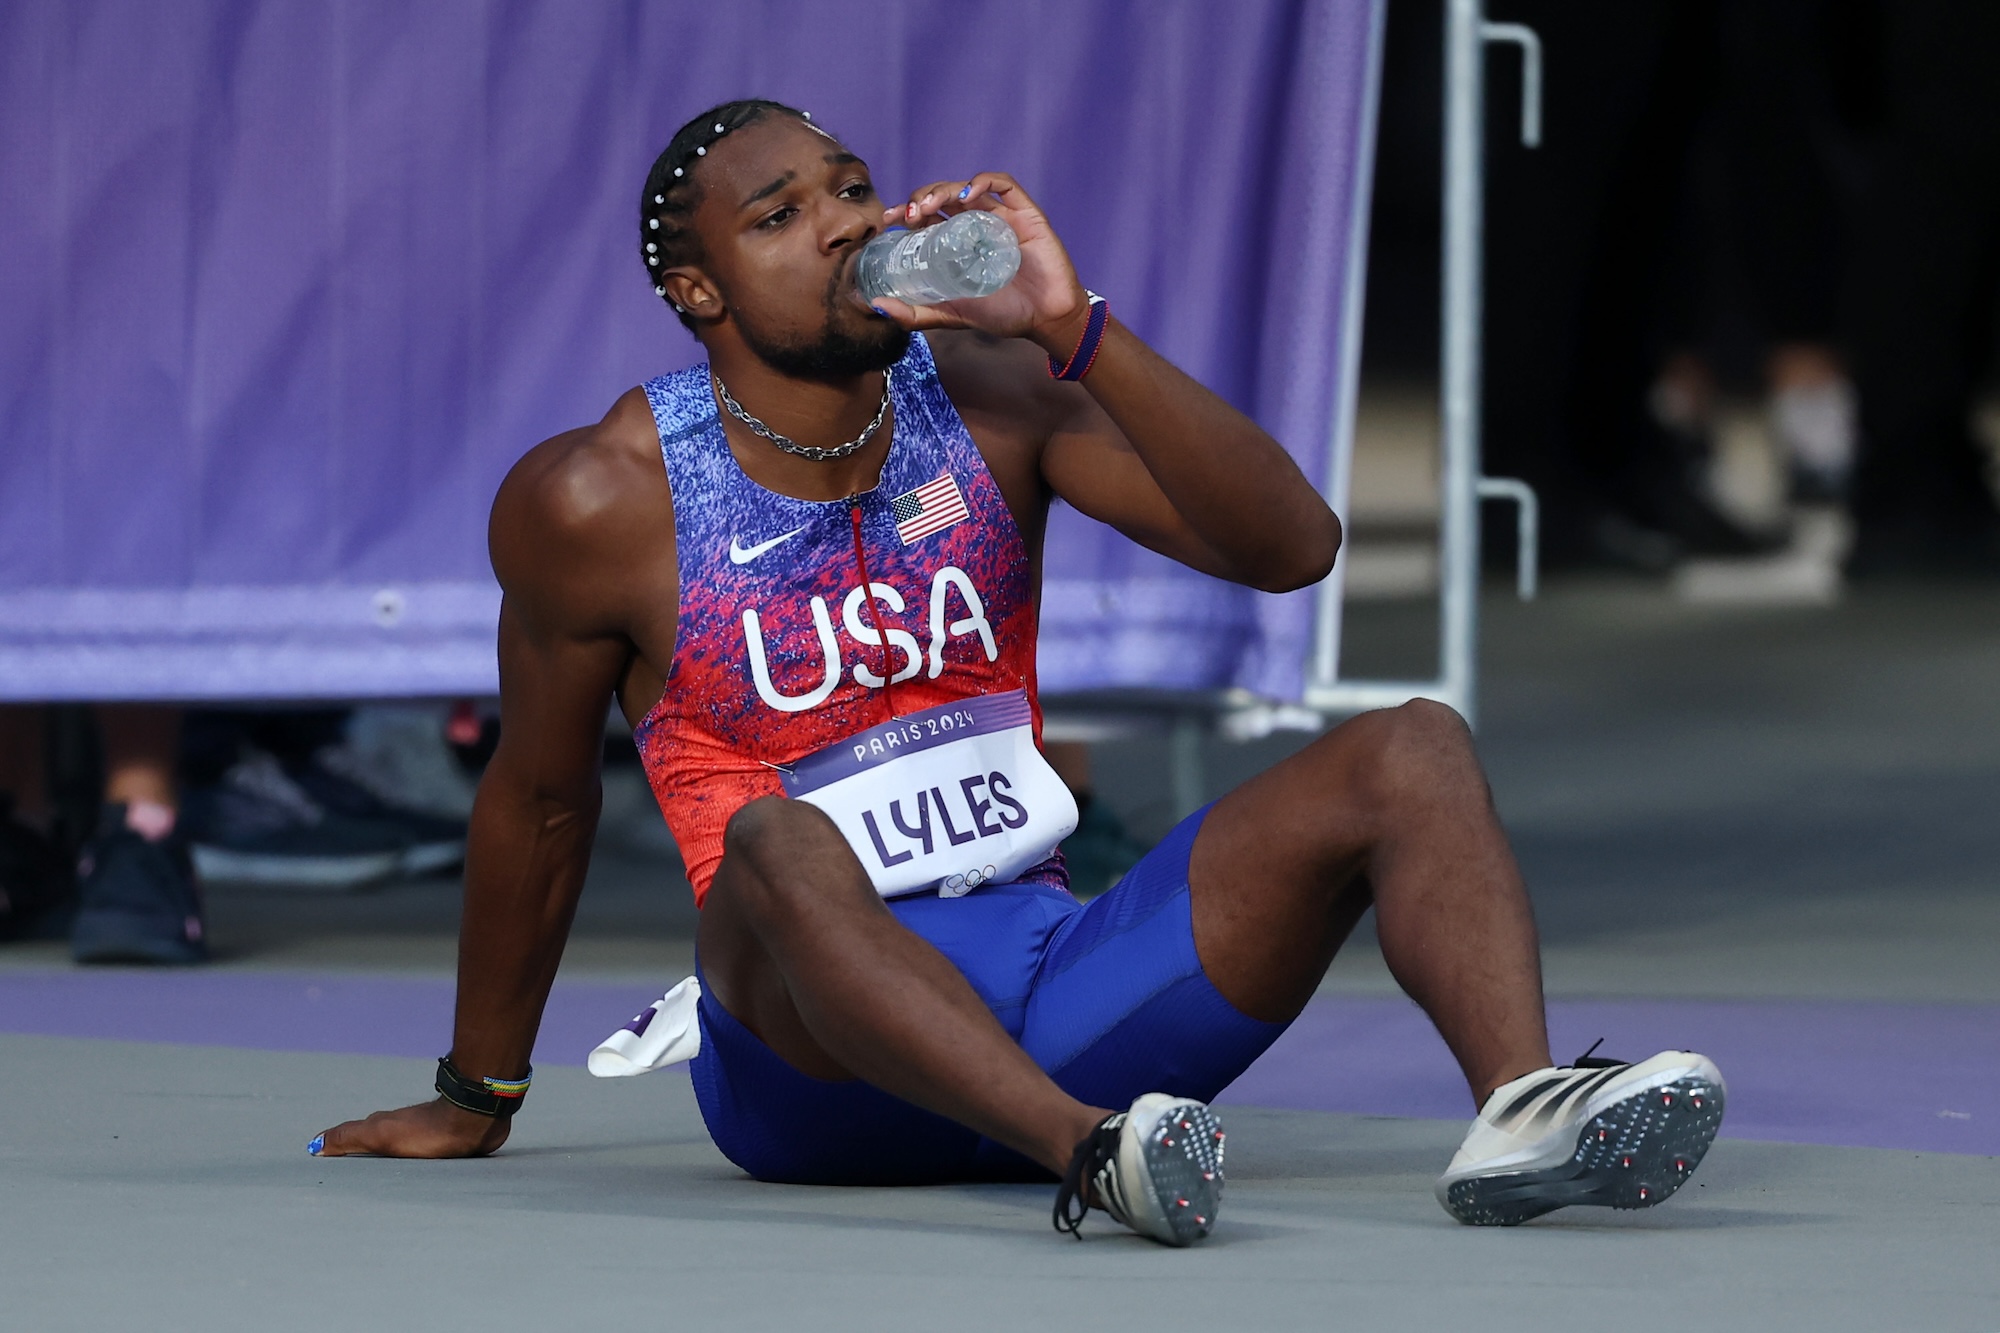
(497, 1097)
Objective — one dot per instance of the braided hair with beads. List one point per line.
(667, 204)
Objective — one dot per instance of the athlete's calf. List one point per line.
(1389, 810)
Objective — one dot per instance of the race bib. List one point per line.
(950, 798)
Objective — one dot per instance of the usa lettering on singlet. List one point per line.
(871, 656)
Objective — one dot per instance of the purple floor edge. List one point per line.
(1921, 1077)
(1917, 1077)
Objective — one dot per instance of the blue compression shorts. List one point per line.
(1108, 997)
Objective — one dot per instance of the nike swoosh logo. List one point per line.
(743, 555)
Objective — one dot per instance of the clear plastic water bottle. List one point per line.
(973, 254)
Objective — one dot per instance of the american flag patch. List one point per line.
(930, 508)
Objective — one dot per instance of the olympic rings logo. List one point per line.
(957, 886)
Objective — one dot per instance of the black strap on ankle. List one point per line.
(1591, 1060)
(496, 1097)
(1098, 1147)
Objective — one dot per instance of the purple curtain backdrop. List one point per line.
(286, 287)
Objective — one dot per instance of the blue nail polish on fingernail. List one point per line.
(319, 1142)
(967, 190)
(880, 311)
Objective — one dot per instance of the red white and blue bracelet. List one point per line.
(1085, 355)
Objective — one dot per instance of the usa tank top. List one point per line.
(804, 622)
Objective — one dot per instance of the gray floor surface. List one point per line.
(1708, 803)
(172, 1181)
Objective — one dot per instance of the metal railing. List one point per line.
(1467, 34)
(1463, 485)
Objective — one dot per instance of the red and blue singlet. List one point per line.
(784, 646)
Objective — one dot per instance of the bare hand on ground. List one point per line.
(429, 1129)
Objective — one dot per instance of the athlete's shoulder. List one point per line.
(582, 480)
(582, 501)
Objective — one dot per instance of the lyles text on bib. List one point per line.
(948, 798)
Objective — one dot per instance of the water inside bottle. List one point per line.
(987, 260)
(975, 254)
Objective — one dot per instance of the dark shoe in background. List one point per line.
(340, 781)
(326, 800)
(258, 826)
(1669, 492)
(137, 901)
(37, 881)
(1100, 851)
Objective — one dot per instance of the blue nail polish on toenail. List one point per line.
(319, 1142)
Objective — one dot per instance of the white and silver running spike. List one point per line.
(1614, 1135)
(1157, 1168)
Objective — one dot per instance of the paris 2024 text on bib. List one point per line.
(949, 798)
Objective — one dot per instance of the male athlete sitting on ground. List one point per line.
(819, 615)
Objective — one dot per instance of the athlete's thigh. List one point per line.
(780, 1124)
(1279, 873)
(780, 1121)
(739, 974)
(1121, 1004)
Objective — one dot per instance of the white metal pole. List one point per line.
(1325, 671)
(1461, 482)
(1464, 201)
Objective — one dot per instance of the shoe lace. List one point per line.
(1092, 1155)
(1586, 1060)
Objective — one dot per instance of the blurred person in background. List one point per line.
(1922, 275)
(1769, 192)
(1594, 256)
(1767, 200)
(322, 798)
(128, 893)
(1682, 228)
(111, 817)
(1796, 196)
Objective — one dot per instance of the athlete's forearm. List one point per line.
(525, 866)
(1233, 484)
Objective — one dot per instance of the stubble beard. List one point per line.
(836, 354)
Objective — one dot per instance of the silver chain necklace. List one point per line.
(792, 446)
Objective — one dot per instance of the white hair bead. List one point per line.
(653, 260)
(653, 224)
(677, 171)
(659, 291)
(651, 248)
(807, 114)
(701, 152)
(659, 199)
